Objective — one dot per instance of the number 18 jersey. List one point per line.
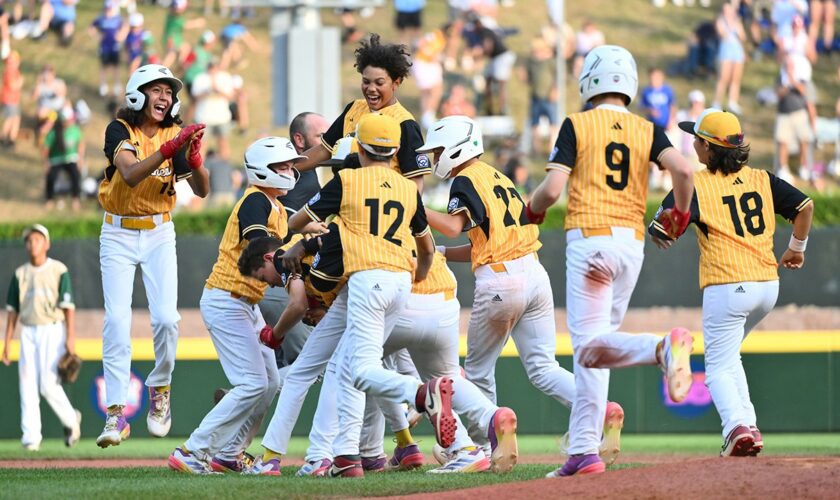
(497, 226)
(607, 153)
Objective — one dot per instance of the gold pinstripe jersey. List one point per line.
(406, 161)
(439, 280)
(379, 212)
(323, 273)
(734, 218)
(255, 214)
(153, 195)
(497, 228)
(607, 152)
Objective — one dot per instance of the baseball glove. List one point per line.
(68, 367)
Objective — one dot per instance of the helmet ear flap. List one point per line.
(135, 99)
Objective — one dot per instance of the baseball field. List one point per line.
(650, 466)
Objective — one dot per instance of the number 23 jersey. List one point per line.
(735, 221)
(497, 226)
(607, 153)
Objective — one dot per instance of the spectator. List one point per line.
(10, 99)
(702, 50)
(730, 57)
(428, 73)
(49, 93)
(586, 39)
(512, 163)
(798, 43)
(497, 69)
(696, 105)
(782, 15)
(822, 16)
(173, 30)
(409, 19)
(224, 8)
(540, 72)
(64, 150)
(213, 92)
(5, 44)
(201, 56)
(658, 102)
(457, 103)
(239, 104)
(795, 117)
(57, 15)
(221, 180)
(134, 41)
(112, 31)
(234, 36)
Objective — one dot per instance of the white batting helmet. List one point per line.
(459, 136)
(144, 75)
(265, 152)
(606, 69)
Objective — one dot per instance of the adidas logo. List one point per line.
(737, 181)
(496, 175)
(385, 185)
(616, 126)
(376, 288)
(496, 298)
(740, 289)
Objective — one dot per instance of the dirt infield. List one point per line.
(702, 478)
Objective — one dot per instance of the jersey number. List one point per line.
(753, 219)
(168, 187)
(387, 208)
(502, 194)
(621, 167)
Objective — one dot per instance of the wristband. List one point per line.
(441, 249)
(797, 245)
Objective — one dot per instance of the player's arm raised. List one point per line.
(133, 171)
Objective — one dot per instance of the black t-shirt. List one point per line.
(305, 188)
(491, 39)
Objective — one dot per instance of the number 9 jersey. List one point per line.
(735, 221)
(607, 153)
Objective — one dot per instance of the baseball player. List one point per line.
(383, 69)
(383, 223)
(147, 154)
(512, 294)
(230, 310)
(733, 209)
(40, 295)
(605, 154)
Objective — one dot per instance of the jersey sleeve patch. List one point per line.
(411, 163)
(326, 202)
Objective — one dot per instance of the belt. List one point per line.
(500, 267)
(236, 296)
(141, 223)
(608, 231)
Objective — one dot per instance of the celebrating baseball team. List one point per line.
(344, 283)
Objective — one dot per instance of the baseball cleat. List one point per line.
(465, 462)
(738, 443)
(676, 363)
(159, 419)
(260, 468)
(181, 460)
(73, 434)
(32, 447)
(758, 441)
(502, 435)
(407, 458)
(235, 466)
(346, 466)
(315, 468)
(435, 398)
(442, 455)
(374, 464)
(580, 465)
(115, 432)
(611, 442)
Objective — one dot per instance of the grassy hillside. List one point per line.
(656, 37)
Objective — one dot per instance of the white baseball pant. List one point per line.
(251, 369)
(120, 252)
(601, 273)
(730, 312)
(515, 301)
(377, 412)
(41, 346)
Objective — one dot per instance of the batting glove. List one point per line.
(674, 221)
(172, 146)
(533, 218)
(268, 339)
(194, 159)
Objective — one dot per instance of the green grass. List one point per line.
(154, 481)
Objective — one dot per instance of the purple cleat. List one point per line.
(580, 465)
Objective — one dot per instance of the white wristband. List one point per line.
(797, 245)
(441, 249)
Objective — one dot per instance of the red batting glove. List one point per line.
(172, 146)
(268, 339)
(533, 218)
(194, 159)
(674, 221)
